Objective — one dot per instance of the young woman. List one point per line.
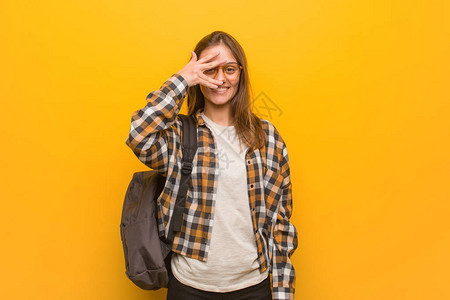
(236, 229)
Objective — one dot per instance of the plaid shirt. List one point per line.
(155, 138)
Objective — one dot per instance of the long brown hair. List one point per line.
(248, 126)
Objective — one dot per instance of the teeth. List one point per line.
(221, 89)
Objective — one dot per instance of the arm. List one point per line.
(284, 234)
(154, 128)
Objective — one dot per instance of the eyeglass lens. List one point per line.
(231, 71)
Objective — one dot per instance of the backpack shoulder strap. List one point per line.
(189, 147)
(189, 143)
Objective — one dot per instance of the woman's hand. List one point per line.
(193, 71)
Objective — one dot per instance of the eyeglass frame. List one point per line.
(222, 67)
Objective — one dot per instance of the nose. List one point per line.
(221, 75)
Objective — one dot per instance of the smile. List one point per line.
(219, 90)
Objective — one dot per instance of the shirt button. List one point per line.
(251, 185)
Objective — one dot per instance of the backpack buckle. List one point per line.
(186, 168)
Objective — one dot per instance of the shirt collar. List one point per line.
(198, 116)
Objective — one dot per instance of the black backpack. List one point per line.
(147, 256)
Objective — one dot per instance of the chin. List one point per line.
(219, 100)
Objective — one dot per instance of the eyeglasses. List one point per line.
(230, 70)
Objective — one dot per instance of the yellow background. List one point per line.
(362, 91)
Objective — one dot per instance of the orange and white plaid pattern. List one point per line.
(155, 138)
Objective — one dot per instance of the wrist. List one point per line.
(185, 77)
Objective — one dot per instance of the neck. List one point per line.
(219, 114)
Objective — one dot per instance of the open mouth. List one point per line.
(220, 90)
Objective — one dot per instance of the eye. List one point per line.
(210, 71)
(231, 69)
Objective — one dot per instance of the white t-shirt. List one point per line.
(232, 261)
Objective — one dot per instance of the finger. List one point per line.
(193, 56)
(207, 84)
(212, 81)
(209, 56)
(214, 63)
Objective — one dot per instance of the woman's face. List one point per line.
(218, 96)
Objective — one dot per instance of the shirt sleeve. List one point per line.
(154, 128)
(284, 235)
